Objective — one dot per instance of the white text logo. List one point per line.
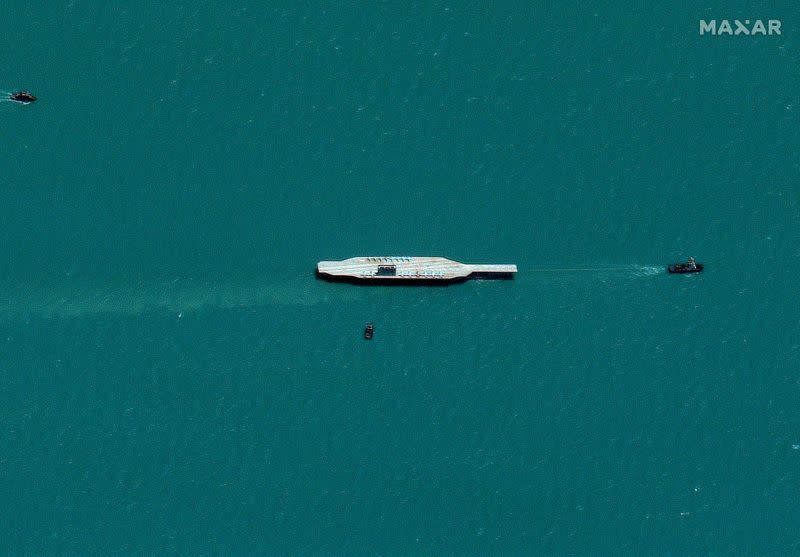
(738, 27)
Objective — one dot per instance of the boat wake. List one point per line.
(619, 270)
(650, 270)
(71, 299)
(600, 273)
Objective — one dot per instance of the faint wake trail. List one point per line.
(622, 270)
(72, 299)
(652, 269)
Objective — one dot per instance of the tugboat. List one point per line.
(369, 330)
(22, 97)
(690, 266)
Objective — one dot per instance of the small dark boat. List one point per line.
(690, 266)
(22, 97)
(369, 330)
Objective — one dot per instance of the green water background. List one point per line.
(174, 380)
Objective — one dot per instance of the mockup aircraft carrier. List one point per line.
(405, 268)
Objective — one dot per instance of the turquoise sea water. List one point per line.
(175, 381)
